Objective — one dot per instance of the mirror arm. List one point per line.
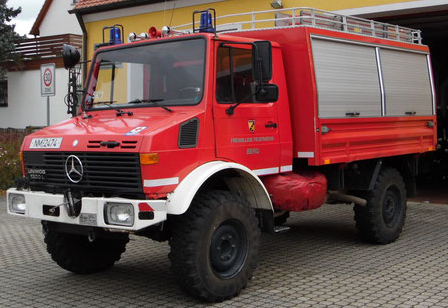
(259, 67)
(231, 109)
(72, 98)
(261, 90)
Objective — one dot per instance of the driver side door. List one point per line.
(250, 135)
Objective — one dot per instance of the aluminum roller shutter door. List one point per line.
(406, 83)
(346, 78)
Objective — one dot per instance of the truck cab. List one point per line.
(150, 115)
(162, 124)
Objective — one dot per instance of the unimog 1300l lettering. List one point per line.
(205, 138)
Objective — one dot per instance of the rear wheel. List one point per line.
(214, 246)
(382, 219)
(75, 253)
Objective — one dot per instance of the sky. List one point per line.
(25, 20)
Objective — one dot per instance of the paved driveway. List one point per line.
(320, 262)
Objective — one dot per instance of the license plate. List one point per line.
(87, 219)
(46, 143)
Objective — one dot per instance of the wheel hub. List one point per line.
(228, 249)
(391, 206)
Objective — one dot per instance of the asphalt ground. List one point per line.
(320, 262)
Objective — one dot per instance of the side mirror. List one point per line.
(262, 61)
(268, 94)
(70, 56)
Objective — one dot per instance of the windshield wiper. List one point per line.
(152, 101)
(109, 103)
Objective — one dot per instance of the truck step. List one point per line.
(281, 229)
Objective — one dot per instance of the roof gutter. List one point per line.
(112, 6)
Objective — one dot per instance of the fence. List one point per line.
(33, 52)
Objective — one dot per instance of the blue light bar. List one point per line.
(206, 23)
(115, 36)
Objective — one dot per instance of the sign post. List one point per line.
(47, 84)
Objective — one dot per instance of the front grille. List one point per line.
(125, 144)
(116, 173)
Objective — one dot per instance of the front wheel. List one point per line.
(214, 246)
(75, 253)
(382, 219)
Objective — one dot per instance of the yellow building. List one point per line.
(138, 16)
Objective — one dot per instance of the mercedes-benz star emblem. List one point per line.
(74, 169)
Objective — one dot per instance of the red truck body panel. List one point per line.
(350, 139)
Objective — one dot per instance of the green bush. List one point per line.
(10, 166)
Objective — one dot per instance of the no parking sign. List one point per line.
(47, 79)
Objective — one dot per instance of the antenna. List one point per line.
(164, 10)
(172, 13)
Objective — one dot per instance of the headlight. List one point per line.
(119, 214)
(16, 203)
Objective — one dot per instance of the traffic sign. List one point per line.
(47, 79)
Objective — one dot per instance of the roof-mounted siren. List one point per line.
(115, 34)
(154, 33)
(167, 31)
(207, 23)
(132, 37)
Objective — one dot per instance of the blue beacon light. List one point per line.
(206, 23)
(115, 36)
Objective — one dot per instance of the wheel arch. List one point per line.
(234, 177)
(407, 166)
(362, 175)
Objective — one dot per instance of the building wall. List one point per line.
(26, 107)
(139, 19)
(58, 20)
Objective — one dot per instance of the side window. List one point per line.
(243, 82)
(3, 93)
(111, 74)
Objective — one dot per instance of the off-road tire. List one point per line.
(382, 219)
(75, 253)
(202, 257)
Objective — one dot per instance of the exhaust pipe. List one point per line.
(335, 196)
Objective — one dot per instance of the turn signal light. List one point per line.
(149, 159)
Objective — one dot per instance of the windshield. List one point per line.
(163, 74)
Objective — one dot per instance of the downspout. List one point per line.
(84, 45)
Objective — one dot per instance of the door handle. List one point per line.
(270, 124)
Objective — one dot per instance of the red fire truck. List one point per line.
(205, 138)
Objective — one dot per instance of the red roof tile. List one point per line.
(82, 4)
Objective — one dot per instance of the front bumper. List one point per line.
(92, 209)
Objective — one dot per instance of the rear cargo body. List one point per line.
(354, 97)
